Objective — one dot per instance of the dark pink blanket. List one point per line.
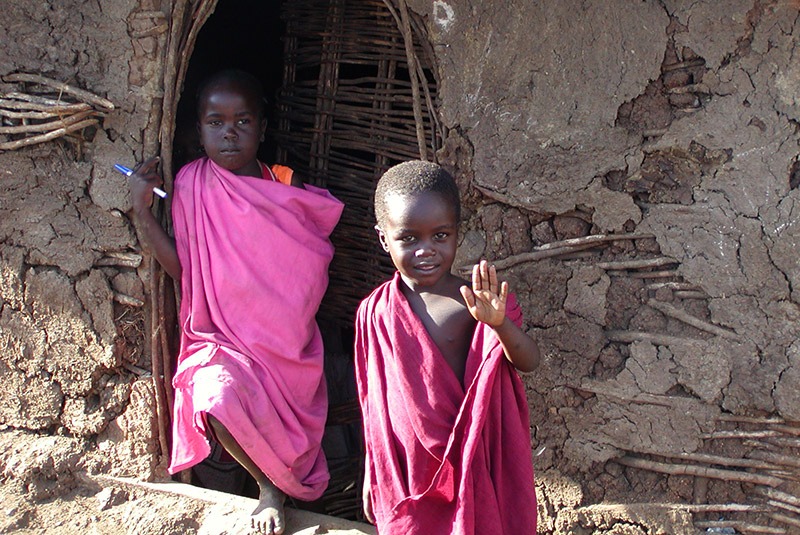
(442, 458)
(254, 255)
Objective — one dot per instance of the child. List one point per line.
(445, 414)
(252, 255)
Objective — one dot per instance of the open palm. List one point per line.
(486, 301)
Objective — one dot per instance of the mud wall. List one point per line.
(634, 164)
(673, 352)
(75, 357)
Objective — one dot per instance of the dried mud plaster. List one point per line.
(673, 123)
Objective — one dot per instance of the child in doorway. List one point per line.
(445, 414)
(251, 253)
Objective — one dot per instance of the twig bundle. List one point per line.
(44, 110)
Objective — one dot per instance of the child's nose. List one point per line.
(230, 132)
(425, 249)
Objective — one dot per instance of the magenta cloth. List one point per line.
(254, 256)
(442, 458)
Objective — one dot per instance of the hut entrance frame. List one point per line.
(357, 95)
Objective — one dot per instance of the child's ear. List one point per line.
(263, 128)
(382, 238)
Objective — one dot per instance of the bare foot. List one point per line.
(268, 517)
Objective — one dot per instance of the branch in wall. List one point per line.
(681, 315)
(564, 247)
(41, 113)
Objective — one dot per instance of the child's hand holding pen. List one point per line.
(143, 180)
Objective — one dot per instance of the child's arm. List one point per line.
(487, 305)
(153, 236)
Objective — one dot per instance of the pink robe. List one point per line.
(442, 458)
(254, 255)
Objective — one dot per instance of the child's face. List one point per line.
(231, 128)
(420, 234)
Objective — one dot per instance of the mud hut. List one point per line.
(632, 166)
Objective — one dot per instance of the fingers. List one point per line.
(468, 295)
(484, 277)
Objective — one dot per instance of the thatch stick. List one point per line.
(739, 525)
(564, 247)
(699, 471)
(779, 495)
(127, 300)
(775, 458)
(82, 94)
(637, 264)
(738, 434)
(651, 274)
(629, 337)
(11, 145)
(404, 25)
(120, 258)
(39, 100)
(681, 315)
(786, 520)
(45, 127)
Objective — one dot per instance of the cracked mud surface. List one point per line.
(676, 124)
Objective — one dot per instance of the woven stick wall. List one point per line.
(349, 109)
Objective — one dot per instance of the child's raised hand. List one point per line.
(486, 301)
(141, 182)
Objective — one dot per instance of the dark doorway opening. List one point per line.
(343, 106)
(240, 34)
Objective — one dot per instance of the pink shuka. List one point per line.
(254, 255)
(442, 457)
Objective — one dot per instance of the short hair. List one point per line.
(243, 79)
(413, 177)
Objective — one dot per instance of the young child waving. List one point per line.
(252, 254)
(445, 415)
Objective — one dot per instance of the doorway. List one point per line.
(346, 101)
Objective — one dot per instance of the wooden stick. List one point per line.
(652, 274)
(738, 434)
(42, 115)
(637, 264)
(786, 520)
(158, 372)
(688, 64)
(699, 471)
(722, 508)
(127, 300)
(629, 337)
(533, 256)
(55, 108)
(39, 100)
(673, 286)
(681, 315)
(784, 506)
(48, 126)
(120, 258)
(11, 145)
(404, 25)
(739, 525)
(775, 458)
(724, 461)
(564, 247)
(775, 494)
(689, 294)
(750, 419)
(788, 429)
(82, 94)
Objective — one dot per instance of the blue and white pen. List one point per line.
(128, 172)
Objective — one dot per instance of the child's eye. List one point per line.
(214, 123)
(407, 239)
(441, 235)
(244, 121)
